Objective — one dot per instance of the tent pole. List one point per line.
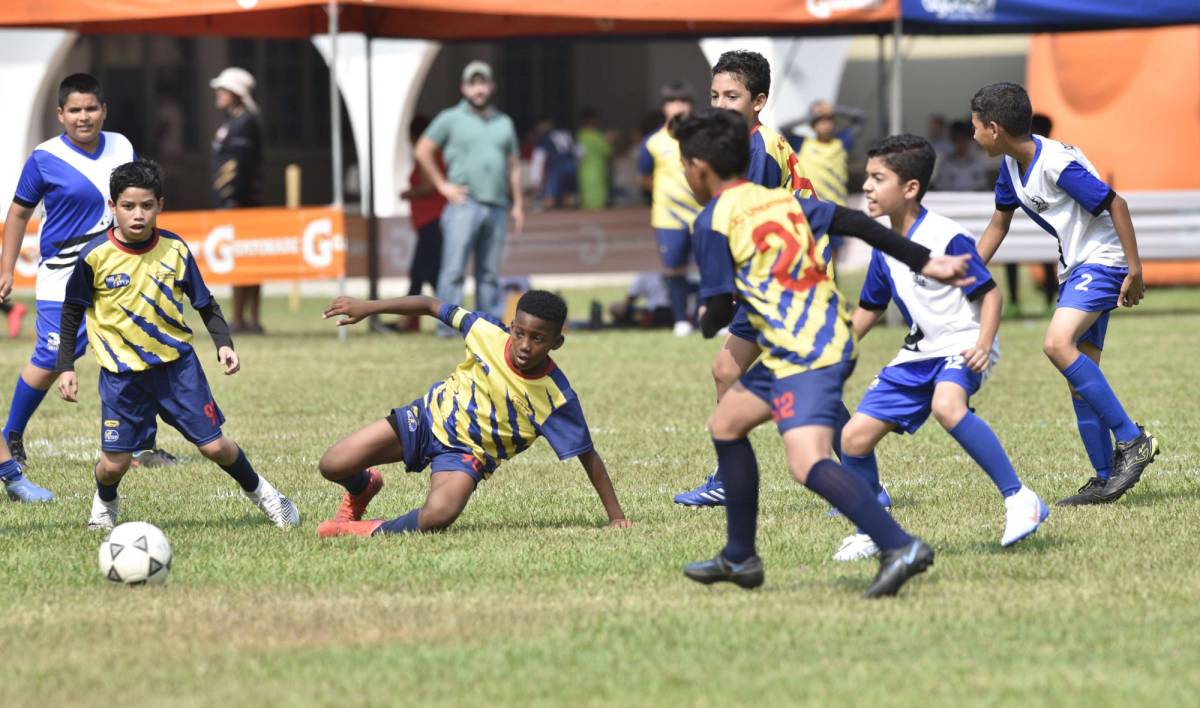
(881, 91)
(335, 124)
(895, 105)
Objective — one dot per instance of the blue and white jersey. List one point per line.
(74, 186)
(943, 320)
(1062, 192)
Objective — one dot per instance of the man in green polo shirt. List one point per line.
(482, 185)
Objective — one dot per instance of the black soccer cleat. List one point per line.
(1088, 494)
(898, 565)
(16, 447)
(1131, 460)
(747, 575)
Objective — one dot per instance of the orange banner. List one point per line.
(243, 246)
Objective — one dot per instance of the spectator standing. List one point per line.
(482, 185)
(426, 213)
(964, 169)
(237, 172)
(555, 163)
(595, 152)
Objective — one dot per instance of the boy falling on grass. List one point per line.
(504, 396)
(950, 348)
(131, 280)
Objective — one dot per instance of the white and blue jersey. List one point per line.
(74, 186)
(1063, 193)
(943, 319)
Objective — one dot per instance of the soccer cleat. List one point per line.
(1087, 494)
(683, 328)
(711, 493)
(885, 500)
(15, 315)
(278, 508)
(16, 447)
(104, 514)
(898, 565)
(1025, 513)
(157, 457)
(20, 489)
(337, 527)
(747, 575)
(355, 505)
(856, 546)
(1130, 460)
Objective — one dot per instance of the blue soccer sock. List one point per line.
(242, 472)
(355, 483)
(1097, 440)
(25, 401)
(851, 496)
(1092, 387)
(843, 417)
(977, 438)
(401, 524)
(739, 470)
(677, 291)
(865, 468)
(9, 470)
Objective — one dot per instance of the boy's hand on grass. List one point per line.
(353, 309)
(1133, 289)
(68, 387)
(229, 359)
(619, 524)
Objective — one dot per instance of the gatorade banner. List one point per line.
(243, 246)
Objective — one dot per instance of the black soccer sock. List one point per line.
(739, 471)
(241, 471)
(355, 483)
(851, 496)
(106, 492)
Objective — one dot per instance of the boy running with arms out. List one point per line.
(506, 394)
(131, 280)
(759, 246)
(1098, 269)
(741, 82)
(950, 348)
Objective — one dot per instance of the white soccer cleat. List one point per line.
(1025, 513)
(683, 328)
(278, 508)
(104, 514)
(856, 546)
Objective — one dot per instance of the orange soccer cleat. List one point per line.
(355, 505)
(336, 527)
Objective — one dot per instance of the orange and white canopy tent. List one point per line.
(457, 20)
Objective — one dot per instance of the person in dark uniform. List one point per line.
(237, 172)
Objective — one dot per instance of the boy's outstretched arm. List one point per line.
(995, 232)
(951, 270)
(1133, 289)
(598, 474)
(355, 310)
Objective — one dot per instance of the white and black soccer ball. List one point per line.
(136, 553)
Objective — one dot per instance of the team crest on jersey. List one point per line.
(411, 415)
(919, 279)
(119, 280)
(52, 341)
(1039, 204)
(111, 436)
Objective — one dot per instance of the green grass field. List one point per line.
(527, 600)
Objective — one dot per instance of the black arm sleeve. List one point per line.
(214, 322)
(68, 328)
(718, 312)
(849, 222)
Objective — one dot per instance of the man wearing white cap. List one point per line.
(237, 172)
(482, 185)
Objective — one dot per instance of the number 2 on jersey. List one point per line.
(781, 271)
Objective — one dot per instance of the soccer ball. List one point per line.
(136, 553)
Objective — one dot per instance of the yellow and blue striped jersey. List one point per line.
(826, 166)
(497, 411)
(672, 205)
(763, 246)
(133, 295)
(773, 163)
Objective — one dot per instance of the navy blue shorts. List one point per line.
(422, 448)
(45, 351)
(176, 391)
(1093, 288)
(674, 247)
(808, 398)
(740, 327)
(903, 394)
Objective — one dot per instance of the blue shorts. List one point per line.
(741, 327)
(808, 398)
(903, 394)
(1093, 288)
(176, 391)
(422, 448)
(45, 351)
(674, 247)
